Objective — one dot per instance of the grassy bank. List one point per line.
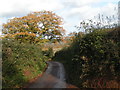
(21, 62)
(93, 59)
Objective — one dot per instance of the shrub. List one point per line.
(20, 63)
(95, 55)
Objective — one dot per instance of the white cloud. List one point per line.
(17, 8)
(86, 12)
(10, 8)
(79, 13)
(109, 9)
(79, 2)
(71, 10)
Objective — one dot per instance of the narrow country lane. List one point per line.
(54, 77)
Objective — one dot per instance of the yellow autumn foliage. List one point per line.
(44, 24)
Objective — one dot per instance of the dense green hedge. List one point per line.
(94, 55)
(20, 62)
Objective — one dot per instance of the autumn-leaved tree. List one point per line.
(35, 27)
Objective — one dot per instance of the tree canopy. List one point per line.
(43, 25)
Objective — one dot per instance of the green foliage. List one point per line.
(20, 63)
(96, 54)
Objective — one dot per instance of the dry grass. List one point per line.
(103, 83)
(55, 46)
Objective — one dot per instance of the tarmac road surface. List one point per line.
(54, 77)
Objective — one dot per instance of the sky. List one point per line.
(72, 11)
